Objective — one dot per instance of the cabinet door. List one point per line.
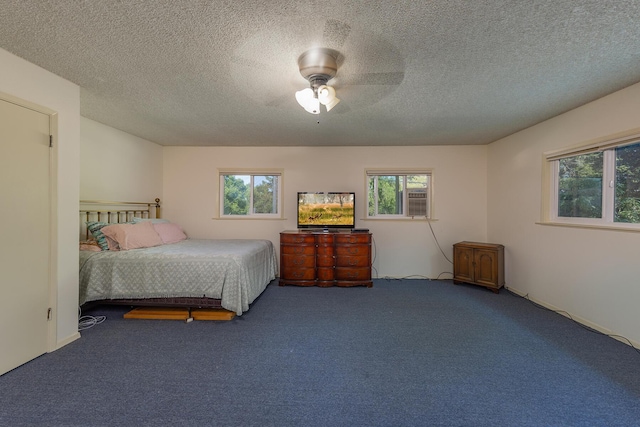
(486, 271)
(463, 263)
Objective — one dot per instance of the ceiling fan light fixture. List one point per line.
(327, 97)
(307, 100)
(318, 66)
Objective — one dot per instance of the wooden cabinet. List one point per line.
(479, 264)
(312, 258)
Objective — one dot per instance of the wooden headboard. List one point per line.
(114, 212)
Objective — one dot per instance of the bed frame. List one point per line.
(114, 213)
(120, 212)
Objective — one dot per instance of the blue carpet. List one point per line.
(403, 353)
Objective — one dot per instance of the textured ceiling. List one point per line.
(411, 72)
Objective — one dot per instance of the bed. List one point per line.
(195, 273)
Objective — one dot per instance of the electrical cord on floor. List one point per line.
(413, 276)
(86, 322)
(416, 276)
(582, 325)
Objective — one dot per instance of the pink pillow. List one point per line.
(112, 244)
(133, 236)
(169, 232)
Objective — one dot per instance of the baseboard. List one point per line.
(71, 338)
(576, 318)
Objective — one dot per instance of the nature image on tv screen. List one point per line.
(325, 209)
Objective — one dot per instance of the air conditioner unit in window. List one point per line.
(417, 202)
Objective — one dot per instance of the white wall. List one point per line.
(592, 274)
(118, 166)
(402, 248)
(36, 85)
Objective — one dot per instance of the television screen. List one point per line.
(326, 210)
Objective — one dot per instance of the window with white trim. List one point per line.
(396, 194)
(250, 194)
(597, 184)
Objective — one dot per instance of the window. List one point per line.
(598, 184)
(580, 186)
(627, 184)
(399, 194)
(254, 194)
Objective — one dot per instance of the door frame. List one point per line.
(52, 329)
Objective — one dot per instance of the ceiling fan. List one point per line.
(352, 67)
(318, 66)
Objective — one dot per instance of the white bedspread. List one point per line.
(234, 271)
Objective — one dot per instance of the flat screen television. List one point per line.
(326, 210)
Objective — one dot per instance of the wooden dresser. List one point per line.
(316, 258)
(479, 264)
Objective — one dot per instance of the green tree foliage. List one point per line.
(264, 194)
(236, 196)
(580, 186)
(390, 190)
(627, 196)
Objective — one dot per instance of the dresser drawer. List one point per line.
(297, 239)
(352, 250)
(353, 261)
(353, 238)
(326, 274)
(296, 261)
(325, 239)
(355, 274)
(298, 250)
(325, 250)
(298, 273)
(325, 261)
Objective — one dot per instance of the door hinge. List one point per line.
(50, 141)
(49, 313)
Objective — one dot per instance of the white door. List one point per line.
(25, 234)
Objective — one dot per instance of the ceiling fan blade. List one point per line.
(371, 79)
(277, 101)
(335, 33)
(252, 63)
(341, 108)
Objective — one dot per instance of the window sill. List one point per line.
(612, 227)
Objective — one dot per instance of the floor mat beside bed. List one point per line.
(176, 313)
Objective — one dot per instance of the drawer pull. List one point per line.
(298, 261)
(353, 251)
(298, 250)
